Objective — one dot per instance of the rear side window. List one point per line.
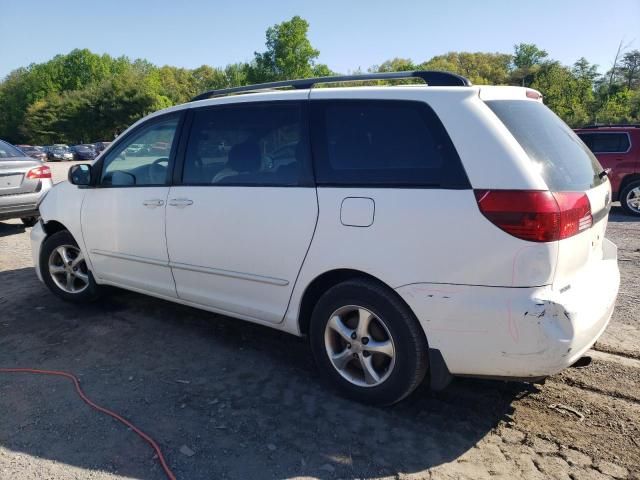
(383, 143)
(263, 144)
(605, 142)
(564, 162)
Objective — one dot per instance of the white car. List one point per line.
(421, 230)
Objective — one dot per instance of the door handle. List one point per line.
(156, 202)
(180, 202)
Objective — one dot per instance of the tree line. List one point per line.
(83, 96)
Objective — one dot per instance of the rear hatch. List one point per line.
(571, 173)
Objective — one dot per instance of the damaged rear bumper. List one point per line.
(523, 333)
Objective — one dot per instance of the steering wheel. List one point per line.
(158, 171)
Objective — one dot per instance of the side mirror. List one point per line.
(80, 174)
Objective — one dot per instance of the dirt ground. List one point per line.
(247, 402)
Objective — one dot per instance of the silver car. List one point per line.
(23, 182)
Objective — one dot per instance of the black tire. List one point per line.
(411, 350)
(623, 198)
(29, 221)
(62, 238)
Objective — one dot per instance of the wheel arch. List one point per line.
(53, 226)
(439, 376)
(626, 181)
(323, 282)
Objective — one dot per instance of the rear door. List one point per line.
(241, 221)
(567, 166)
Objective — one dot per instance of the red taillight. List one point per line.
(536, 216)
(575, 213)
(39, 172)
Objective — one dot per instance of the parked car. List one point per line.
(23, 182)
(83, 152)
(159, 148)
(436, 230)
(135, 149)
(33, 152)
(58, 153)
(100, 146)
(618, 150)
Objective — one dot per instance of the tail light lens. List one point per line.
(536, 216)
(39, 172)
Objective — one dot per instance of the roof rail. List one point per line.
(431, 78)
(612, 125)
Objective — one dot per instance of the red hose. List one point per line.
(86, 399)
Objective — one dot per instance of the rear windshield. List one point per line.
(9, 151)
(564, 162)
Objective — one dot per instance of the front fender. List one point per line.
(63, 204)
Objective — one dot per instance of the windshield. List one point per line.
(9, 151)
(564, 162)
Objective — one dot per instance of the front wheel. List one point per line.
(64, 269)
(367, 343)
(630, 198)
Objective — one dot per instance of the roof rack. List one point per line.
(431, 78)
(612, 125)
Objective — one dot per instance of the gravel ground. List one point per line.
(247, 403)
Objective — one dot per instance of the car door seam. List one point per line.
(166, 238)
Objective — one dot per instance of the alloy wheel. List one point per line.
(633, 199)
(68, 269)
(359, 346)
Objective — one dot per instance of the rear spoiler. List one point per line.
(509, 93)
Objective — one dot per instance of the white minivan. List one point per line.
(431, 230)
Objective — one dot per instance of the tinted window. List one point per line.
(606, 142)
(383, 143)
(149, 164)
(564, 162)
(9, 151)
(260, 144)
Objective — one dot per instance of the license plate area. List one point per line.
(11, 181)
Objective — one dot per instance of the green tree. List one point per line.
(617, 107)
(82, 96)
(395, 65)
(95, 112)
(289, 53)
(479, 67)
(527, 59)
(630, 68)
(586, 75)
(561, 91)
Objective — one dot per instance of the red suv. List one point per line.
(618, 150)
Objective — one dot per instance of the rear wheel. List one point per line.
(64, 269)
(29, 221)
(367, 343)
(630, 198)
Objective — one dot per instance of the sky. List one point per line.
(350, 34)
